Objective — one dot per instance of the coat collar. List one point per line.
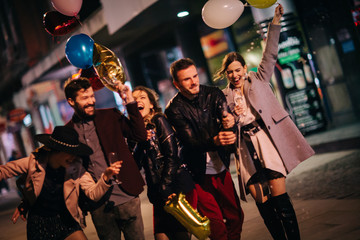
(247, 85)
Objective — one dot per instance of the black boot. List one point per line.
(285, 210)
(271, 220)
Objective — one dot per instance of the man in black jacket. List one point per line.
(199, 116)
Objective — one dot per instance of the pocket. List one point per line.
(278, 117)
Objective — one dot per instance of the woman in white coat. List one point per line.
(53, 175)
(270, 145)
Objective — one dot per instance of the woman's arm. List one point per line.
(169, 149)
(279, 11)
(267, 64)
(93, 190)
(14, 168)
(133, 126)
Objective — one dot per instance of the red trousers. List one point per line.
(217, 199)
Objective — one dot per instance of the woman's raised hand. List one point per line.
(279, 11)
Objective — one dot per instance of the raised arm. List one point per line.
(267, 64)
(134, 126)
(279, 11)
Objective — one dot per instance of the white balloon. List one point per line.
(220, 14)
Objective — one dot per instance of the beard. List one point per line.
(80, 111)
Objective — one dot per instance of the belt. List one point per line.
(252, 128)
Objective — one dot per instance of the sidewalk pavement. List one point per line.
(325, 190)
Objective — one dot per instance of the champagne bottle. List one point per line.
(232, 147)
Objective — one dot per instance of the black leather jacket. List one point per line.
(159, 158)
(196, 122)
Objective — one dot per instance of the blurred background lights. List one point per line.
(182, 14)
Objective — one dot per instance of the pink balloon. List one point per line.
(67, 7)
(220, 14)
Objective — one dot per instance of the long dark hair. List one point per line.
(228, 59)
(152, 95)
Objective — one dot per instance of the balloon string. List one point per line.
(59, 60)
(82, 25)
(55, 41)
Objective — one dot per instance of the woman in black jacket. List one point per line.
(159, 158)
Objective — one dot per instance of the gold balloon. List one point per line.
(188, 217)
(261, 3)
(108, 67)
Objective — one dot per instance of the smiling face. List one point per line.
(235, 73)
(84, 103)
(188, 82)
(143, 102)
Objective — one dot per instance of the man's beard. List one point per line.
(80, 111)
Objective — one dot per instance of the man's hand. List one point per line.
(279, 11)
(225, 138)
(124, 92)
(228, 121)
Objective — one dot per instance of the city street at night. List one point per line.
(325, 190)
(137, 88)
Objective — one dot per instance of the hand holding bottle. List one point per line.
(225, 138)
(228, 120)
(227, 135)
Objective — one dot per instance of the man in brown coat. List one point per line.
(105, 130)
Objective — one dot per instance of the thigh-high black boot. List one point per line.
(285, 210)
(271, 220)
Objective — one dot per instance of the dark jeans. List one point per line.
(125, 218)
